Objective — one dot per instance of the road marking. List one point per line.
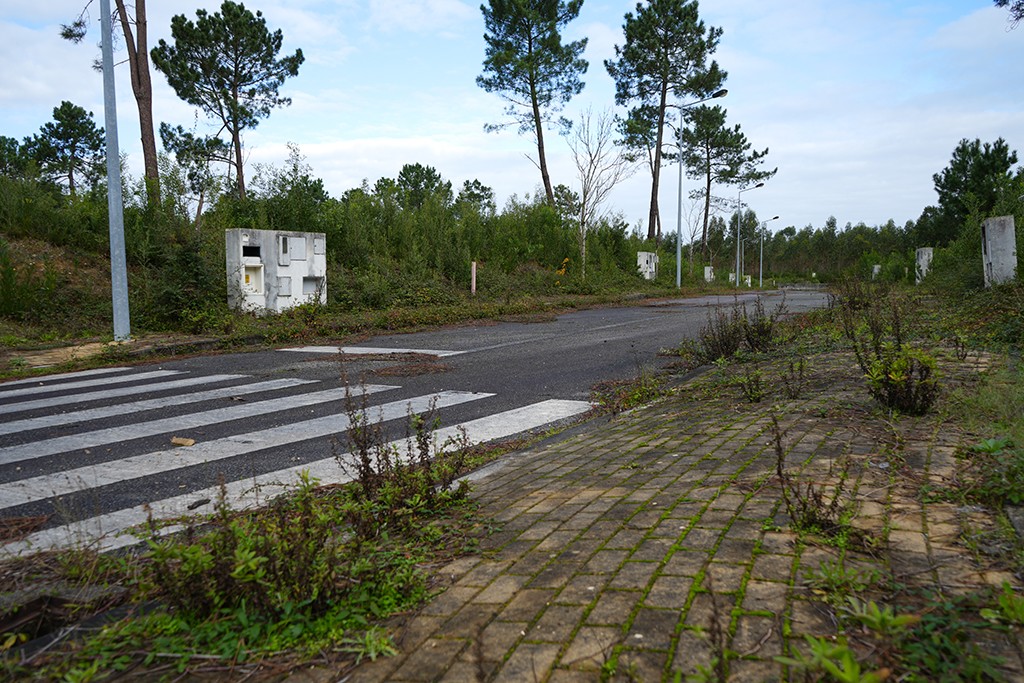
(42, 387)
(135, 467)
(105, 532)
(63, 375)
(163, 385)
(181, 423)
(79, 416)
(368, 350)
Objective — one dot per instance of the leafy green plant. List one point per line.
(811, 508)
(838, 582)
(835, 659)
(723, 334)
(751, 383)
(903, 379)
(760, 328)
(883, 620)
(374, 642)
(1011, 607)
(793, 379)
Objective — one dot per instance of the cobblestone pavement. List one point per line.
(637, 549)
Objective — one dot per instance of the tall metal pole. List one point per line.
(760, 267)
(679, 209)
(739, 217)
(115, 205)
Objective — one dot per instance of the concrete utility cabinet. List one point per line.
(271, 270)
(999, 250)
(709, 273)
(876, 270)
(924, 262)
(647, 264)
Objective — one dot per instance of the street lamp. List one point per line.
(760, 266)
(739, 217)
(679, 208)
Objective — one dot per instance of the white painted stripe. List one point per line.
(162, 385)
(79, 416)
(179, 424)
(93, 476)
(63, 375)
(42, 387)
(369, 350)
(105, 532)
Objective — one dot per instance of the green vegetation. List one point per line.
(312, 574)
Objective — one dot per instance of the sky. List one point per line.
(859, 102)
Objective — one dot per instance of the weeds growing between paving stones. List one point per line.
(809, 506)
(899, 376)
(794, 379)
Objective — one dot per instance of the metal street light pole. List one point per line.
(679, 207)
(115, 206)
(760, 265)
(739, 218)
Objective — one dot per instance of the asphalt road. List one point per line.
(83, 454)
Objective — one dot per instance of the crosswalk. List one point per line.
(92, 452)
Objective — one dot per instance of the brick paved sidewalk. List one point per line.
(622, 547)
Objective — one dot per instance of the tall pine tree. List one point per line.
(226, 64)
(528, 65)
(665, 55)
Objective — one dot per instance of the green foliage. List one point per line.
(69, 147)
(903, 380)
(24, 292)
(882, 620)
(529, 66)
(970, 184)
(1011, 607)
(877, 324)
(666, 49)
(838, 583)
(226, 64)
(834, 658)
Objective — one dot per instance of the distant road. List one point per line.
(93, 451)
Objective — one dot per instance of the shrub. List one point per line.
(903, 380)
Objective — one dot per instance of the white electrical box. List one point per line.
(924, 263)
(999, 250)
(647, 264)
(709, 273)
(271, 270)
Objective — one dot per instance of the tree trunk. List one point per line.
(142, 88)
(538, 125)
(236, 142)
(654, 219)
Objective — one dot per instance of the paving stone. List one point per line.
(654, 627)
(501, 590)
(591, 647)
(582, 589)
(450, 601)
(529, 662)
(557, 624)
(669, 592)
(633, 575)
(614, 607)
(685, 563)
(430, 661)
(527, 604)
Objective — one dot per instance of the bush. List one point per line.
(903, 380)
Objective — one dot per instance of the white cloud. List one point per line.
(419, 16)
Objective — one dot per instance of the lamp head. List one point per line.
(721, 93)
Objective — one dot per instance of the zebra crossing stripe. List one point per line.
(63, 375)
(79, 416)
(107, 532)
(42, 388)
(163, 385)
(102, 437)
(138, 466)
(369, 350)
